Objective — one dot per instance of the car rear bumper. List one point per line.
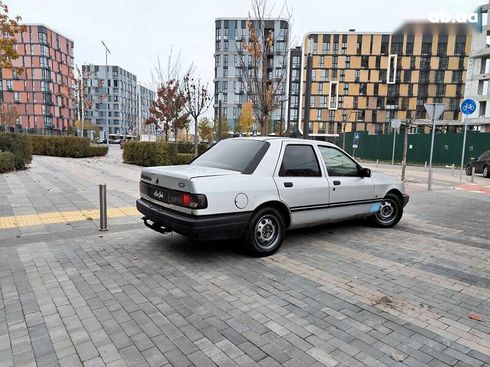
(406, 199)
(208, 227)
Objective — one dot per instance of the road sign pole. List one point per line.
(393, 153)
(463, 151)
(431, 153)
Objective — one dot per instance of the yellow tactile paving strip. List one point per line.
(63, 217)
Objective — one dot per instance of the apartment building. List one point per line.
(113, 95)
(145, 97)
(361, 81)
(231, 62)
(478, 76)
(39, 86)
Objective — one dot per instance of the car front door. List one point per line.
(302, 185)
(350, 193)
(481, 162)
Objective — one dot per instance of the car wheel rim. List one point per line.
(485, 171)
(387, 211)
(266, 232)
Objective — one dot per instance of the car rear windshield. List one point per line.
(242, 155)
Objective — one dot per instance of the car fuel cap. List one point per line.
(241, 200)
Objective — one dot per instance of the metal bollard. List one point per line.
(377, 161)
(452, 170)
(103, 208)
(472, 174)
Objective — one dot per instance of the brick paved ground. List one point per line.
(339, 295)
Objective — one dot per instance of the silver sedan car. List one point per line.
(255, 189)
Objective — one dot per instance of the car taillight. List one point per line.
(193, 201)
(186, 200)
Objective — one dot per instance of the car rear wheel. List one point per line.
(468, 170)
(265, 232)
(486, 172)
(389, 213)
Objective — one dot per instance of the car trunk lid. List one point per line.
(178, 177)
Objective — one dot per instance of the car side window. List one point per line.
(338, 163)
(299, 161)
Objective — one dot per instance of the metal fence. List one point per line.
(447, 147)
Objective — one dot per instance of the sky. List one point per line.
(138, 32)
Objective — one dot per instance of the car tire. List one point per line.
(486, 172)
(468, 171)
(390, 212)
(265, 232)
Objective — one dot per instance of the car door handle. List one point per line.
(288, 184)
(337, 183)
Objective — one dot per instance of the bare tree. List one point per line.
(82, 100)
(264, 76)
(161, 74)
(198, 102)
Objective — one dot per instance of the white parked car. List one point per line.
(257, 188)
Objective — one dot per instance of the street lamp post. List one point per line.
(107, 117)
(306, 119)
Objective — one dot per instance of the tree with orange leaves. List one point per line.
(167, 111)
(8, 29)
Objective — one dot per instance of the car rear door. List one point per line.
(350, 193)
(302, 184)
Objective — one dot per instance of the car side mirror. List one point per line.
(365, 172)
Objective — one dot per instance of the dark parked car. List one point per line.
(482, 165)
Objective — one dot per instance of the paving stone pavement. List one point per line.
(338, 295)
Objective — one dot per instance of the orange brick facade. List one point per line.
(40, 86)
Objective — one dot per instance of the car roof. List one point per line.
(278, 139)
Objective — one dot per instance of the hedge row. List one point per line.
(7, 162)
(65, 146)
(183, 158)
(147, 154)
(20, 145)
(189, 147)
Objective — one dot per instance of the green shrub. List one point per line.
(189, 147)
(20, 145)
(146, 153)
(183, 158)
(66, 146)
(98, 150)
(7, 162)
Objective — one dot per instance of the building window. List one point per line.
(318, 115)
(392, 65)
(44, 62)
(296, 62)
(10, 85)
(332, 95)
(16, 97)
(323, 101)
(347, 61)
(364, 62)
(346, 88)
(457, 76)
(326, 47)
(357, 75)
(43, 38)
